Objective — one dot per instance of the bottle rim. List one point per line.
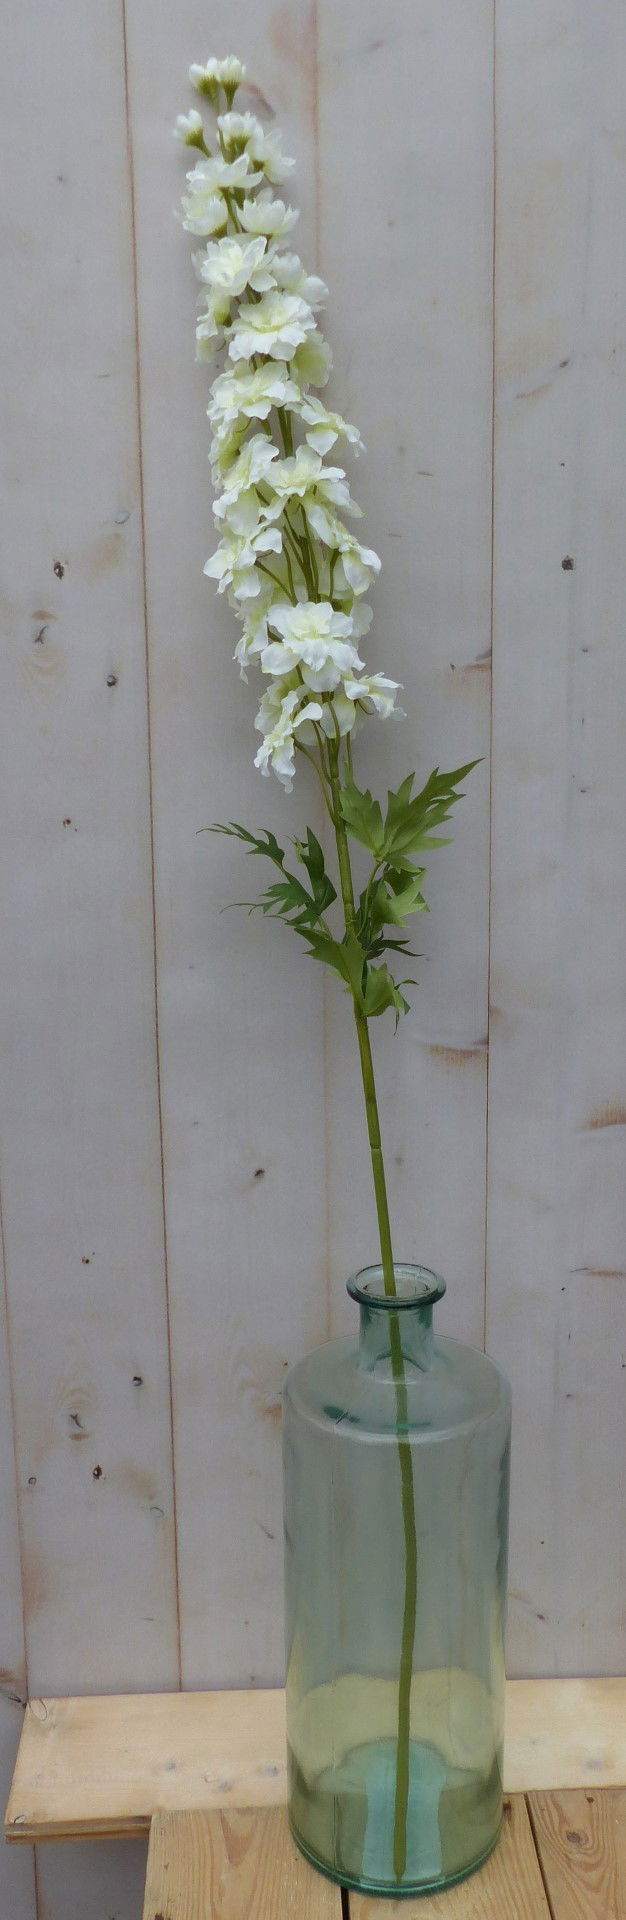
(417, 1287)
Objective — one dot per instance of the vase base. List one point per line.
(343, 1818)
(382, 1889)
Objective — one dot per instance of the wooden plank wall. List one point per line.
(181, 1147)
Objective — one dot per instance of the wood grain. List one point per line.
(557, 1153)
(82, 1203)
(103, 1766)
(79, 1116)
(240, 1011)
(232, 1866)
(510, 1883)
(406, 183)
(17, 1883)
(581, 1841)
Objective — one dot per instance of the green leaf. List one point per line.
(394, 900)
(362, 816)
(269, 846)
(382, 991)
(312, 857)
(322, 947)
(346, 957)
(410, 818)
(287, 899)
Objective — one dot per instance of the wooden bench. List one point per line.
(204, 1774)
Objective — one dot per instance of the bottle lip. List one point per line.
(417, 1287)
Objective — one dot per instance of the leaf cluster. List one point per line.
(397, 843)
(288, 899)
(392, 894)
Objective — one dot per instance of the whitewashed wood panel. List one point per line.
(391, 117)
(240, 1012)
(406, 159)
(17, 1881)
(557, 1092)
(79, 1126)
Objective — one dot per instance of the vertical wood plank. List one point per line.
(232, 1866)
(79, 1149)
(405, 106)
(581, 1841)
(17, 1881)
(557, 1153)
(510, 1883)
(240, 1011)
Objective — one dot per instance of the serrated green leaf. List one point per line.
(411, 818)
(312, 856)
(362, 816)
(381, 992)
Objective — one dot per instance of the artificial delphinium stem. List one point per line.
(397, 1359)
(281, 506)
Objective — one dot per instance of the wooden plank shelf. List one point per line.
(204, 1773)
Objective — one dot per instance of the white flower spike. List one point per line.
(288, 561)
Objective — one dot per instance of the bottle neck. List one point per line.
(410, 1309)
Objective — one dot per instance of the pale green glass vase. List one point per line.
(356, 1436)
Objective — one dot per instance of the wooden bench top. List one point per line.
(562, 1856)
(204, 1773)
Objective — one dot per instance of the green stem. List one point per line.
(397, 1357)
(271, 575)
(318, 770)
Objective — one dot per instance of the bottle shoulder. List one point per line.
(461, 1388)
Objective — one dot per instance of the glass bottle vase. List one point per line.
(396, 1454)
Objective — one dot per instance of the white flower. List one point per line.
(251, 391)
(295, 475)
(250, 466)
(209, 327)
(240, 512)
(374, 693)
(290, 274)
(227, 73)
(189, 128)
(239, 504)
(237, 129)
(344, 712)
(280, 717)
(314, 638)
(312, 361)
(265, 302)
(204, 209)
(234, 562)
(357, 564)
(230, 265)
(244, 130)
(361, 617)
(213, 173)
(265, 215)
(275, 325)
(324, 428)
(255, 635)
(204, 214)
(303, 473)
